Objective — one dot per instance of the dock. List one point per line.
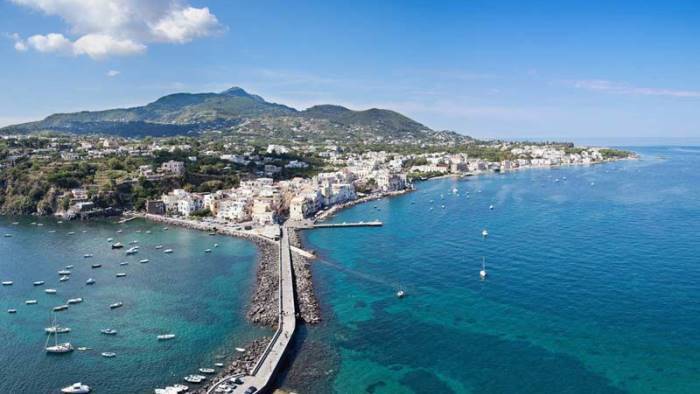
(375, 223)
(262, 373)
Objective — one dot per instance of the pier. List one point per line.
(375, 223)
(262, 373)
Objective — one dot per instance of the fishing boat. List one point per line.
(109, 354)
(483, 273)
(144, 261)
(50, 291)
(90, 281)
(97, 265)
(207, 370)
(7, 283)
(108, 331)
(30, 302)
(168, 251)
(116, 305)
(60, 308)
(117, 245)
(38, 283)
(57, 348)
(76, 388)
(165, 337)
(74, 301)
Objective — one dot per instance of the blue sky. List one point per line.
(577, 70)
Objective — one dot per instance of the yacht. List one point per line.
(60, 308)
(74, 301)
(76, 388)
(64, 272)
(116, 305)
(168, 251)
(57, 348)
(117, 245)
(39, 283)
(121, 274)
(98, 265)
(109, 354)
(90, 281)
(207, 370)
(7, 283)
(56, 329)
(165, 337)
(144, 261)
(30, 302)
(50, 291)
(108, 331)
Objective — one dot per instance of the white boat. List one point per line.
(159, 246)
(83, 348)
(110, 239)
(56, 329)
(76, 388)
(119, 231)
(179, 388)
(148, 231)
(8, 235)
(124, 263)
(109, 354)
(74, 301)
(168, 251)
(134, 242)
(60, 308)
(484, 233)
(165, 229)
(121, 274)
(216, 245)
(483, 273)
(39, 283)
(31, 302)
(132, 250)
(57, 348)
(87, 255)
(11, 310)
(90, 281)
(207, 370)
(491, 207)
(400, 294)
(144, 261)
(117, 245)
(50, 291)
(195, 378)
(108, 331)
(165, 337)
(116, 305)
(240, 349)
(69, 267)
(63, 278)
(97, 265)
(220, 365)
(7, 283)
(207, 251)
(64, 272)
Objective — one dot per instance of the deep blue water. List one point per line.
(593, 286)
(199, 297)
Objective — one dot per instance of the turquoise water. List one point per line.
(591, 288)
(199, 297)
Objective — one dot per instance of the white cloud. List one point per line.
(601, 85)
(113, 73)
(103, 28)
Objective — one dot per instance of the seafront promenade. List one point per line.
(262, 374)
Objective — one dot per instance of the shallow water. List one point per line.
(199, 297)
(592, 284)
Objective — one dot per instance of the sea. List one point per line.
(593, 286)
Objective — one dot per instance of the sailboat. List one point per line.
(57, 348)
(482, 273)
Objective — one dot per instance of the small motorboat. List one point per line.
(124, 263)
(144, 261)
(119, 231)
(134, 242)
(159, 246)
(83, 348)
(71, 232)
(109, 354)
(39, 283)
(207, 251)
(7, 283)
(240, 349)
(76, 388)
(31, 302)
(216, 245)
(168, 251)
(69, 267)
(165, 337)
(116, 305)
(484, 233)
(50, 291)
(220, 365)
(491, 207)
(195, 378)
(108, 331)
(165, 229)
(90, 281)
(60, 308)
(207, 370)
(64, 272)
(148, 231)
(11, 310)
(117, 245)
(400, 294)
(7, 235)
(121, 274)
(132, 250)
(98, 265)
(87, 255)
(64, 278)
(74, 301)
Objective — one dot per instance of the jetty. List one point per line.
(375, 223)
(261, 376)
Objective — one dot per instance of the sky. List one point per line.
(566, 70)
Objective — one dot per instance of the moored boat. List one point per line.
(121, 274)
(168, 251)
(144, 261)
(207, 370)
(165, 337)
(50, 291)
(30, 302)
(77, 300)
(76, 388)
(7, 283)
(108, 331)
(116, 305)
(98, 265)
(38, 283)
(109, 354)
(90, 281)
(117, 245)
(60, 308)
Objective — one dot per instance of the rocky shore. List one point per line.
(264, 305)
(307, 303)
(242, 365)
